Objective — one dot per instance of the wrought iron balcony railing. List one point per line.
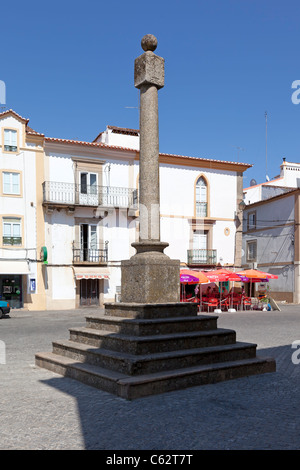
(88, 195)
(201, 209)
(90, 255)
(10, 148)
(12, 240)
(202, 256)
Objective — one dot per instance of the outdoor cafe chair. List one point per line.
(236, 302)
(247, 303)
(225, 304)
(212, 303)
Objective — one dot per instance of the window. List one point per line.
(201, 197)
(88, 191)
(89, 243)
(251, 220)
(88, 183)
(12, 231)
(200, 254)
(251, 250)
(200, 240)
(11, 183)
(10, 140)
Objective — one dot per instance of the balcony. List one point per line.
(201, 209)
(201, 256)
(82, 255)
(72, 194)
(12, 241)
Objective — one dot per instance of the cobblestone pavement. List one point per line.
(41, 410)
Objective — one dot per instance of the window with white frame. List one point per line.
(200, 240)
(10, 140)
(12, 231)
(201, 197)
(251, 250)
(88, 188)
(88, 183)
(11, 183)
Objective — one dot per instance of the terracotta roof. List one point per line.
(10, 111)
(102, 145)
(119, 130)
(95, 139)
(124, 130)
(207, 159)
(29, 130)
(86, 144)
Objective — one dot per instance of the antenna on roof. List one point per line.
(266, 118)
(134, 107)
(238, 151)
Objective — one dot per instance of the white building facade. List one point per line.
(21, 212)
(85, 214)
(289, 177)
(271, 239)
(90, 201)
(271, 243)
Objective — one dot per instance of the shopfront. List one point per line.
(11, 290)
(90, 286)
(13, 278)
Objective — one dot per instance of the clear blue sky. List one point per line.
(68, 67)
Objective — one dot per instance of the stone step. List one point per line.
(89, 374)
(154, 343)
(136, 387)
(132, 387)
(152, 310)
(145, 327)
(144, 364)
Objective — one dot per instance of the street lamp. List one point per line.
(242, 205)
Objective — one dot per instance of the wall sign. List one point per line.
(32, 285)
(43, 254)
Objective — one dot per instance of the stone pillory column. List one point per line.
(150, 276)
(149, 76)
(128, 340)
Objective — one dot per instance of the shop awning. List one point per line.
(90, 273)
(14, 267)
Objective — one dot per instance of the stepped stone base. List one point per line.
(136, 350)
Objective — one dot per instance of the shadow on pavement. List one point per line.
(255, 412)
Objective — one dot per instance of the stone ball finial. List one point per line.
(149, 42)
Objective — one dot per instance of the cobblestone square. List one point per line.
(41, 410)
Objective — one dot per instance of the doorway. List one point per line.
(89, 292)
(11, 290)
(200, 242)
(88, 242)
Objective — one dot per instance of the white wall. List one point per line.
(177, 197)
(25, 205)
(61, 168)
(177, 190)
(121, 140)
(274, 235)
